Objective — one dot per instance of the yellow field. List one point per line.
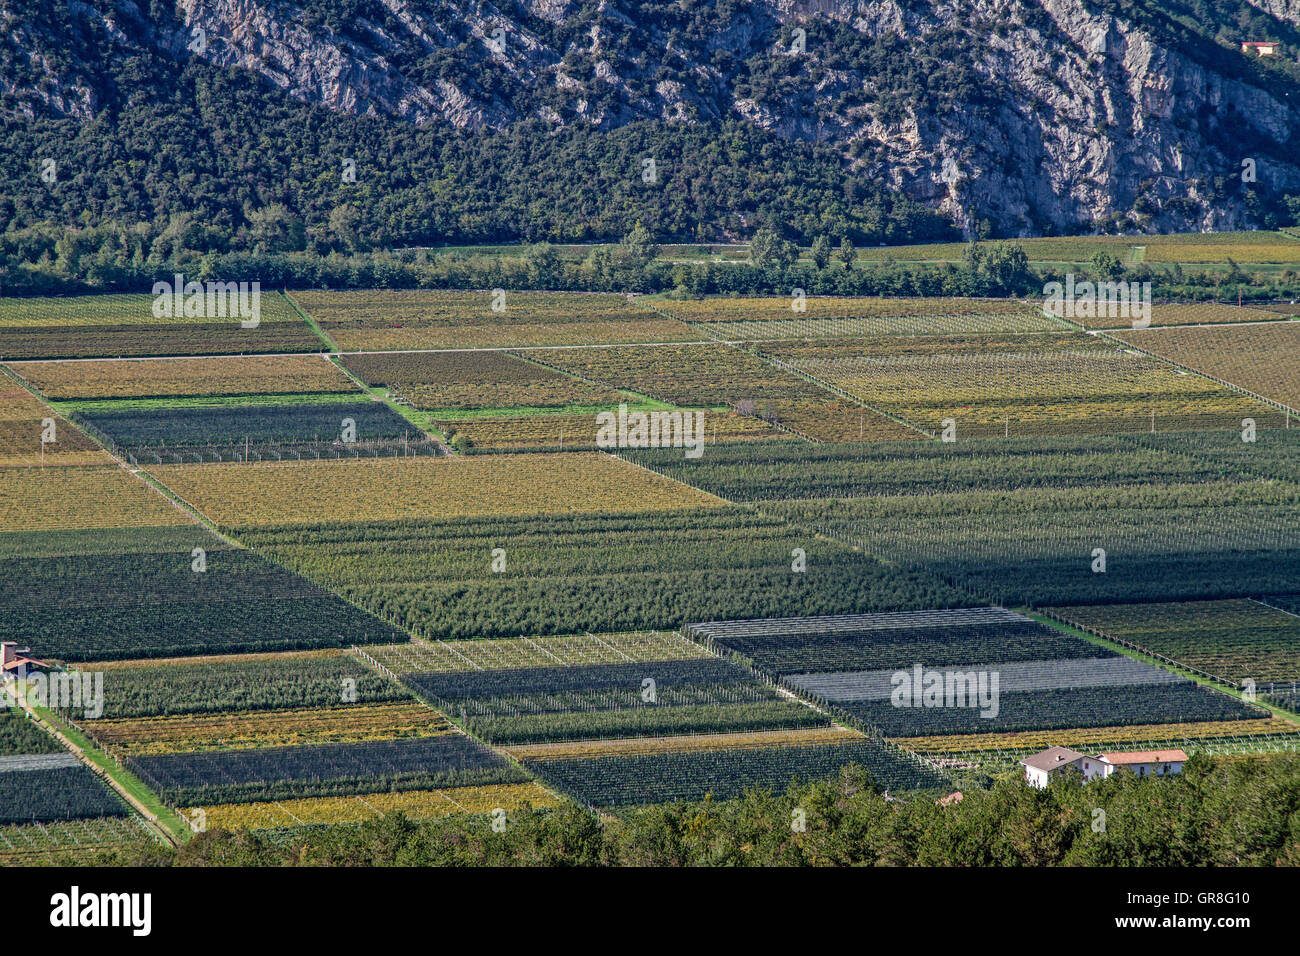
(779, 308)
(579, 431)
(116, 310)
(360, 320)
(542, 651)
(694, 743)
(273, 728)
(1049, 388)
(395, 488)
(1264, 359)
(1195, 313)
(1082, 738)
(514, 336)
(49, 499)
(23, 423)
(417, 804)
(222, 375)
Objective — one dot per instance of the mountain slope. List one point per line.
(1013, 117)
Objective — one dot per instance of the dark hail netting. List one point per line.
(230, 432)
(234, 684)
(268, 773)
(545, 680)
(535, 705)
(1165, 703)
(60, 793)
(657, 778)
(154, 604)
(866, 641)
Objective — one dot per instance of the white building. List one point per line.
(1041, 766)
(1145, 763)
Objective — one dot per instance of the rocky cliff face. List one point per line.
(1034, 115)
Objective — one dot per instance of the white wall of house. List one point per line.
(1146, 769)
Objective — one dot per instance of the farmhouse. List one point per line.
(1040, 767)
(13, 662)
(1155, 763)
(1263, 48)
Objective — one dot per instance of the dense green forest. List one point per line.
(183, 165)
(1219, 811)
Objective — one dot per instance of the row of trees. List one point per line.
(50, 260)
(1241, 812)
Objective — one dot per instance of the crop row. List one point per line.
(1015, 677)
(580, 432)
(64, 793)
(117, 310)
(1087, 546)
(156, 604)
(1043, 391)
(451, 687)
(1236, 640)
(611, 700)
(321, 770)
(31, 433)
(758, 473)
(538, 651)
(246, 682)
(385, 489)
(21, 843)
(785, 652)
(715, 716)
(1259, 358)
(402, 319)
(475, 379)
(1051, 709)
(52, 499)
(597, 573)
(1179, 313)
(177, 377)
(414, 804)
(191, 338)
(329, 422)
(664, 777)
(347, 723)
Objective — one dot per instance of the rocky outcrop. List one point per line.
(1061, 115)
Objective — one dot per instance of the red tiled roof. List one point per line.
(1145, 756)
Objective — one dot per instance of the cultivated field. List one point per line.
(380, 320)
(1235, 640)
(179, 377)
(118, 325)
(389, 489)
(414, 804)
(580, 432)
(1037, 386)
(1264, 359)
(49, 499)
(828, 316)
(26, 427)
(495, 616)
(469, 380)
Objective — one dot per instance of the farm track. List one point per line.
(151, 820)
